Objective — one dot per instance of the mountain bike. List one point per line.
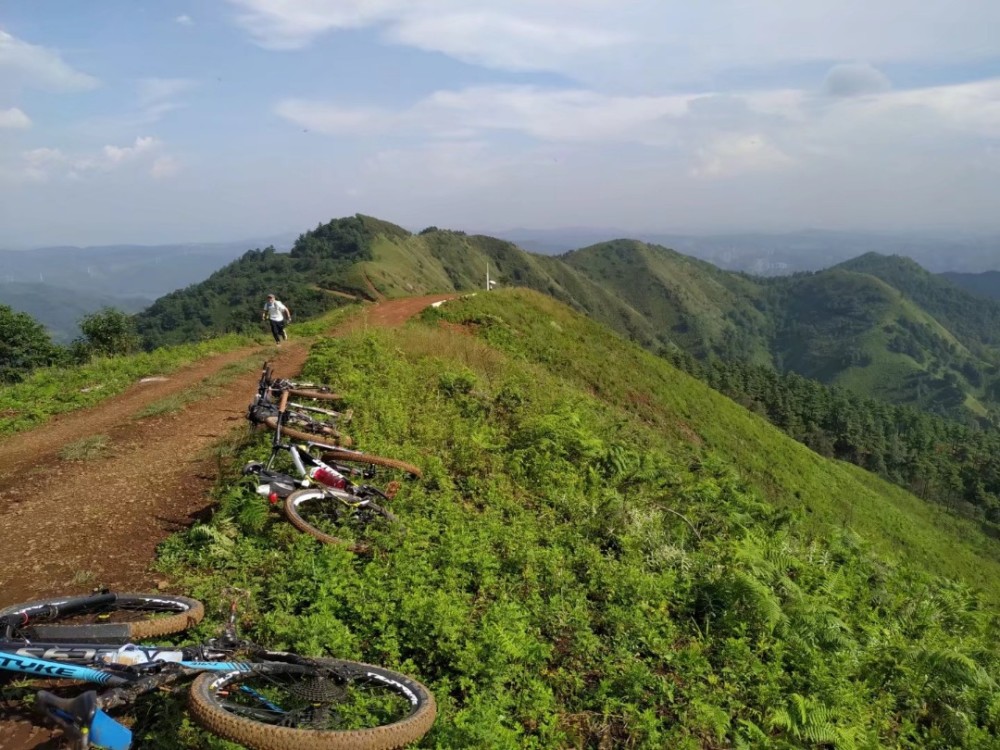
(271, 700)
(299, 420)
(320, 499)
(337, 446)
(269, 385)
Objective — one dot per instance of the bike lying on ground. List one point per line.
(268, 385)
(272, 701)
(321, 500)
(299, 420)
(298, 424)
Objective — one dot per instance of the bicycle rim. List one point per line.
(128, 617)
(330, 519)
(340, 705)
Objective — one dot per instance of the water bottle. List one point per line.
(328, 476)
(128, 655)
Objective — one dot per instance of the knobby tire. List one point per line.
(131, 617)
(336, 455)
(336, 438)
(293, 510)
(211, 690)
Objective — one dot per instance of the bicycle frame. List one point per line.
(80, 662)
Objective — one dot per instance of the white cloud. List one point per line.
(39, 163)
(645, 44)
(163, 167)
(184, 20)
(736, 154)
(496, 39)
(571, 115)
(43, 156)
(23, 64)
(157, 97)
(14, 118)
(156, 90)
(119, 154)
(507, 38)
(44, 164)
(722, 134)
(854, 79)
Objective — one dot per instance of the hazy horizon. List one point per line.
(606, 233)
(125, 122)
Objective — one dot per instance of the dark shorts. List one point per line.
(277, 329)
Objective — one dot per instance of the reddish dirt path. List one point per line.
(74, 525)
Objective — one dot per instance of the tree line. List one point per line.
(25, 345)
(937, 459)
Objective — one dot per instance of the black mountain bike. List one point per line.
(265, 700)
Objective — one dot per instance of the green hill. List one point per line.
(604, 552)
(706, 311)
(881, 326)
(975, 321)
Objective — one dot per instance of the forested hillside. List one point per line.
(604, 552)
(880, 326)
(230, 300)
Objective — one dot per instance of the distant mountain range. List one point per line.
(880, 325)
(58, 285)
(984, 284)
(60, 309)
(771, 254)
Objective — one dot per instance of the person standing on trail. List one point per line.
(278, 316)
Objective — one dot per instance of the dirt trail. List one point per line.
(68, 526)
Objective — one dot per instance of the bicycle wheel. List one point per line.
(340, 705)
(320, 513)
(105, 617)
(327, 435)
(348, 456)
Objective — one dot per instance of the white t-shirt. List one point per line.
(276, 311)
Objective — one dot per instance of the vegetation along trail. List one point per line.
(87, 497)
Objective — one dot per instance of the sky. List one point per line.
(153, 121)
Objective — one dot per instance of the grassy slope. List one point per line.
(606, 553)
(832, 494)
(971, 318)
(834, 326)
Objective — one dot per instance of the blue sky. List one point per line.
(131, 121)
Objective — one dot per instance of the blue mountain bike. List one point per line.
(264, 700)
